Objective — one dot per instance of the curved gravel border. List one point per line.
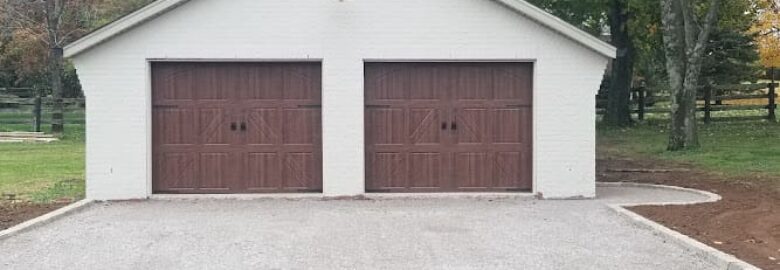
(45, 219)
(721, 259)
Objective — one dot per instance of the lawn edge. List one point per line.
(721, 259)
(44, 219)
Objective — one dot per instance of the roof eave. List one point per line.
(537, 14)
(121, 25)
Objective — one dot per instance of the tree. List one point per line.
(767, 30)
(34, 33)
(619, 95)
(593, 16)
(685, 43)
(52, 22)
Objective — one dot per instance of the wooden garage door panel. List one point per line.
(424, 126)
(301, 126)
(508, 175)
(386, 126)
(171, 82)
(387, 83)
(302, 82)
(473, 170)
(265, 172)
(176, 171)
(266, 126)
(425, 170)
(472, 82)
(513, 127)
(387, 170)
(212, 126)
(241, 127)
(214, 171)
(301, 171)
(513, 83)
(176, 126)
(448, 126)
(472, 126)
(263, 82)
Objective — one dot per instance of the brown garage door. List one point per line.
(452, 127)
(236, 127)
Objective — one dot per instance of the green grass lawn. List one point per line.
(734, 148)
(42, 172)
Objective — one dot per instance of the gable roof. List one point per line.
(160, 7)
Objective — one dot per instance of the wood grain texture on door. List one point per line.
(452, 127)
(236, 127)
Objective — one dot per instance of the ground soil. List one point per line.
(17, 212)
(746, 223)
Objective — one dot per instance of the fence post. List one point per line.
(641, 103)
(37, 109)
(772, 102)
(707, 104)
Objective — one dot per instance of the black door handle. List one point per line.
(454, 126)
(243, 126)
(444, 125)
(233, 126)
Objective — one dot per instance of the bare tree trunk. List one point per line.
(55, 72)
(54, 11)
(685, 42)
(618, 108)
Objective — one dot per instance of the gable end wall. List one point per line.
(116, 74)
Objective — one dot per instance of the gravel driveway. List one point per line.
(380, 234)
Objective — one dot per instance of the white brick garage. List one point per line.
(114, 65)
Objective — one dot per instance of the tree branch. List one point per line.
(704, 34)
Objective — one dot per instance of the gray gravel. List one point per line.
(387, 234)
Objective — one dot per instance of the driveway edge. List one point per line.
(721, 259)
(44, 219)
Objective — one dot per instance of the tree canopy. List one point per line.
(23, 36)
(732, 54)
(767, 31)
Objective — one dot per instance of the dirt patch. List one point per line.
(746, 223)
(14, 213)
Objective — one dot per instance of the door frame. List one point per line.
(534, 76)
(148, 62)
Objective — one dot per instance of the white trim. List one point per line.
(159, 7)
(149, 130)
(121, 25)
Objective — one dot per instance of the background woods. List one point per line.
(705, 42)
(25, 41)
(33, 35)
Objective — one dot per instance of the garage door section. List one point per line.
(448, 127)
(236, 127)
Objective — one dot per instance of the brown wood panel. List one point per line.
(434, 127)
(236, 127)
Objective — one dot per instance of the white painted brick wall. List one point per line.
(115, 76)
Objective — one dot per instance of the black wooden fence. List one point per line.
(38, 99)
(711, 99)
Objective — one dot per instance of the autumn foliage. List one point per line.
(767, 29)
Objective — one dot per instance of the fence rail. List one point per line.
(711, 101)
(19, 97)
